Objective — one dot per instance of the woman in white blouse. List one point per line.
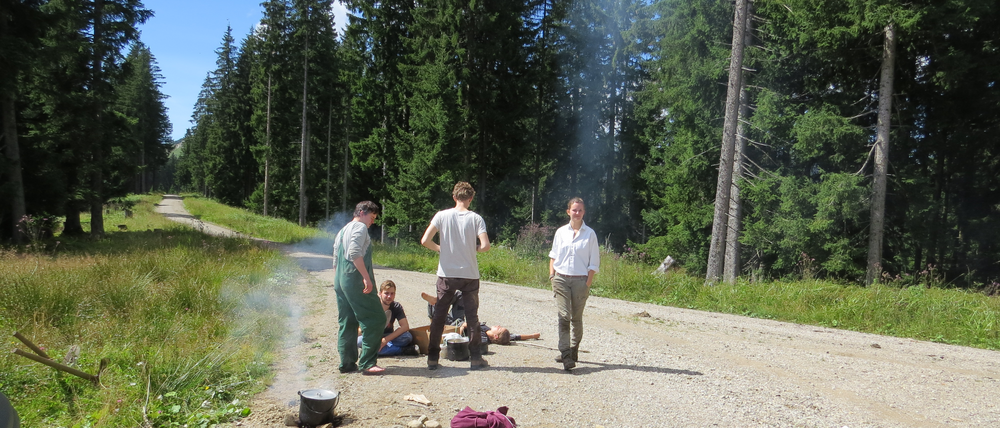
(573, 261)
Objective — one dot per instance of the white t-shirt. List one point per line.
(458, 232)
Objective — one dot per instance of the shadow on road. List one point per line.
(461, 368)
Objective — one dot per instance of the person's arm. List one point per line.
(484, 243)
(428, 239)
(552, 269)
(526, 336)
(359, 263)
(595, 259)
(404, 326)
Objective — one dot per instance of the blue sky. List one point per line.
(183, 36)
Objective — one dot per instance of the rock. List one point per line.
(415, 424)
(432, 424)
(423, 418)
(291, 421)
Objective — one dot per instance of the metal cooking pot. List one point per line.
(317, 406)
(8, 416)
(458, 349)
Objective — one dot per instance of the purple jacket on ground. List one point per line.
(469, 418)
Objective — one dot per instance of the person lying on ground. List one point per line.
(497, 334)
(399, 340)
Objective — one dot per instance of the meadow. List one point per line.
(187, 322)
(190, 323)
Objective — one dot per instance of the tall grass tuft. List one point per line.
(188, 323)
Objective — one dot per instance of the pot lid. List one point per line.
(319, 394)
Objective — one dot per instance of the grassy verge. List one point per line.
(269, 228)
(186, 321)
(920, 312)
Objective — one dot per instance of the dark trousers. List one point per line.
(446, 288)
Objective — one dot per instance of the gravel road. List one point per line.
(642, 366)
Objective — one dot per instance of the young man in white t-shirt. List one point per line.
(458, 269)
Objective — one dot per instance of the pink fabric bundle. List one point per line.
(469, 418)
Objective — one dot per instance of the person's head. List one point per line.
(498, 335)
(387, 292)
(575, 208)
(463, 192)
(366, 212)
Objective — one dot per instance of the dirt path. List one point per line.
(642, 366)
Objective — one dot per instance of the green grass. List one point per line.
(269, 228)
(932, 313)
(186, 321)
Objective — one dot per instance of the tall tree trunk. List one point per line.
(720, 221)
(13, 153)
(8, 121)
(142, 168)
(303, 159)
(267, 147)
(347, 159)
(97, 135)
(72, 226)
(329, 169)
(732, 265)
(881, 156)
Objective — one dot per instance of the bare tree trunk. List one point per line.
(329, 128)
(13, 153)
(732, 265)
(303, 160)
(97, 137)
(347, 159)
(142, 169)
(881, 156)
(8, 121)
(267, 149)
(731, 269)
(720, 220)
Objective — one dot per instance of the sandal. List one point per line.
(374, 371)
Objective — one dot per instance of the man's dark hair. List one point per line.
(366, 207)
(503, 338)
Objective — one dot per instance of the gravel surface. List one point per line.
(642, 366)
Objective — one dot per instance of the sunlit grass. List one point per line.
(258, 226)
(188, 324)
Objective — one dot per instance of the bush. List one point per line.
(534, 240)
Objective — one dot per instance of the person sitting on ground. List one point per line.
(399, 340)
(496, 334)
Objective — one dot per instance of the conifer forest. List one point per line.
(856, 140)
